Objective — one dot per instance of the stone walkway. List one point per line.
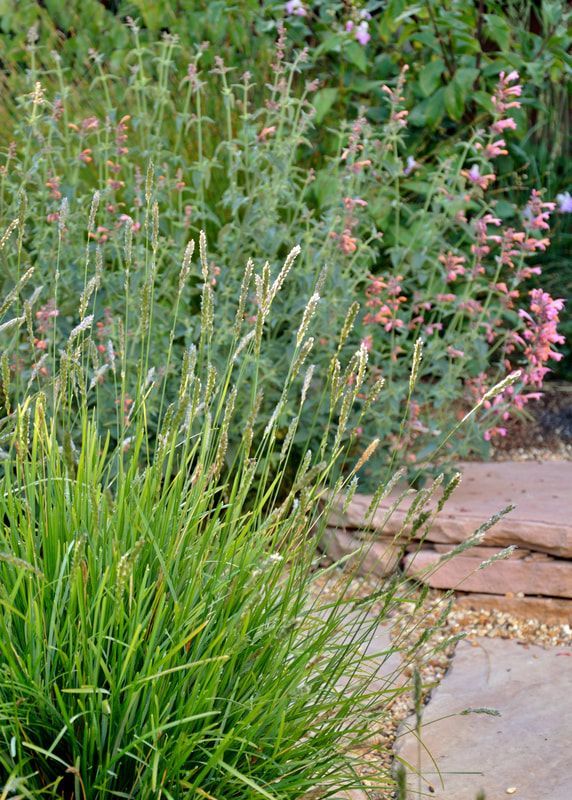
(523, 747)
(539, 571)
(525, 753)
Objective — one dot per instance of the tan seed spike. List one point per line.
(186, 265)
(367, 454)
(417, 356)
(149, 179)
(93, 210)
(203, 255)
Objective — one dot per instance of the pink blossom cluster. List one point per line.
(360, 27)
(503, 99)
(398, 115)
(385, 298)
(541, 334)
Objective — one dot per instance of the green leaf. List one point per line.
(435, 109)
(430, 111)
(498, 29)
(504, 209)
(355, 54)
(326, 188)
(323, 101)
(465, 77)
(454, 100)
(331, 44)
(430, 77)
(483, 99)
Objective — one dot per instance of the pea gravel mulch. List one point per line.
(433, 659)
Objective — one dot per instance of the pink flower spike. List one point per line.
(501, 125)
(495, 149)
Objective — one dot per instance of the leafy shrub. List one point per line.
(405, 235)
(454, 51)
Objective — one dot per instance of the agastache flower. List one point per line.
(504, 93)
(453, 265)
(537, 213)
(492, 432)
(501, 125)
(474, 176)
(388, 307)
(295, 8)
(541, 334)
(494, 149)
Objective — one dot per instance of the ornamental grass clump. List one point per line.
(164, 630)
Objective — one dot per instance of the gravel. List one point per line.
(433, 658)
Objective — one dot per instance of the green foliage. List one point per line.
(252, 166)
(165, 626)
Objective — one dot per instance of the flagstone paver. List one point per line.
(526, 750)
(541, 492)
(531, 577)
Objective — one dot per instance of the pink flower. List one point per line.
(474, 176)
(471, 306)
(453, 352)
(348, 243)
(351, 202)
(265, 133)
(89, 124)
(501, 125)
(492, 432)
(362, 33)
(494, 149)
(453, 265)
(54, 185)
(504, 93)
(46, 315)
(541, 334)
(537, 213)
(295, 8)
(384, 294)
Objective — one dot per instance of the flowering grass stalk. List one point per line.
(163, 630)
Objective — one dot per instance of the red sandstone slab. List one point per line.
(375, 558)
(545, 609)
(541, 492)
(548, 578)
